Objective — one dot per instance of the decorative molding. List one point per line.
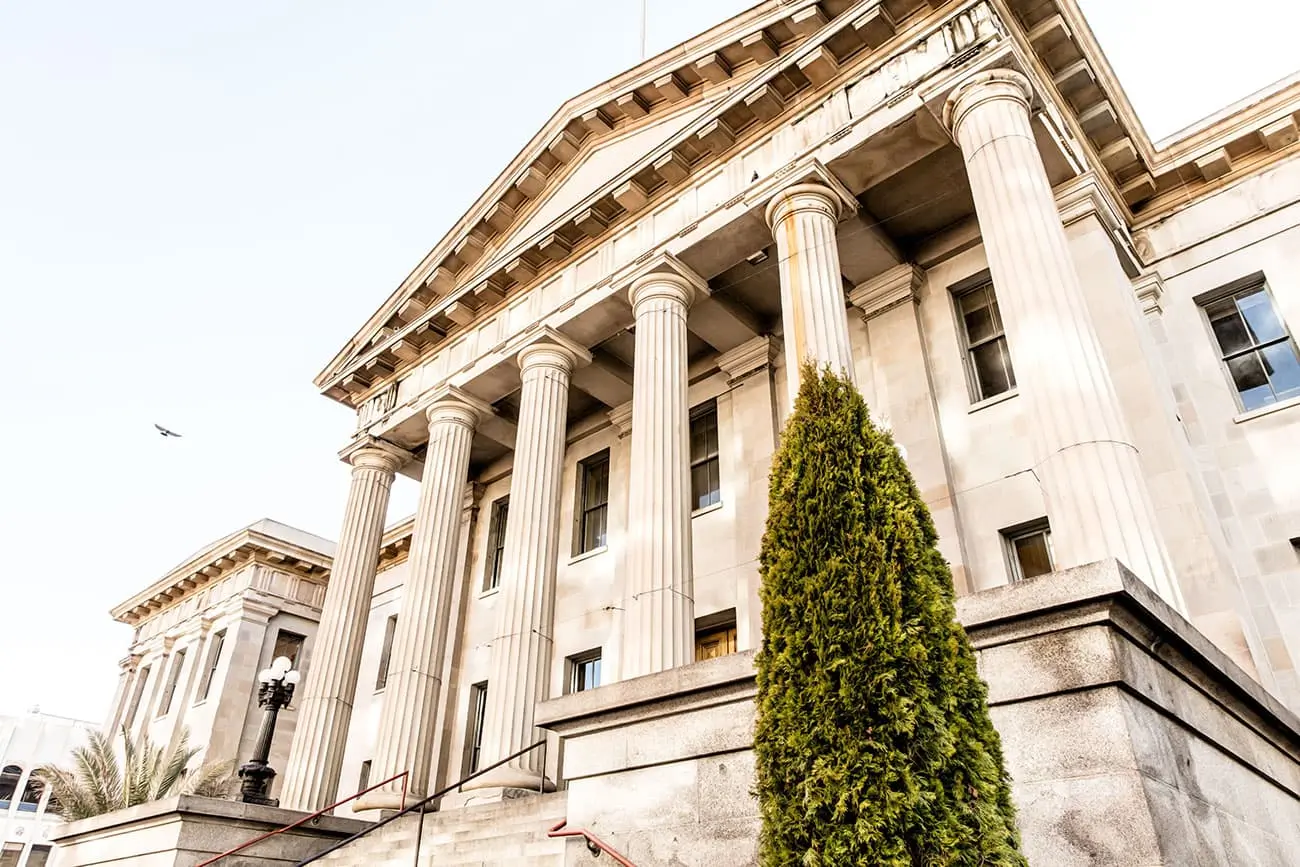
(759, 353)
(1150, 290)
(881, 294)
(621, 418)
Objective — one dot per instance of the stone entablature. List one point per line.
(293, 571)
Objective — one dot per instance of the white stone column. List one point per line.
(126, 681)
(519, 672)
(408, 740)
(311, 777)
(659, 623)
(814, 314)
(1085, 459)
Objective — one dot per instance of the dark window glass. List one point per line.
(31, 795)
(584, 671)
(38, 856)
(474, 732)
(386, 652)
(496, 552)
(364, 780)
(1260, 356)
(1031, 550)
(215, 647)
(173, 677)
(9, 784)
(288, 644)
(594, 513)
(986, 342)
(706, 488)
(141, 680)
(10, 853)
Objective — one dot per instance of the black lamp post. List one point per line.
(275, 692)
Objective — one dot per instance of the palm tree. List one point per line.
(99, 783)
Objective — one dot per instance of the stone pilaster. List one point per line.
(659, 623)
(325, 710)
(813, 310)
(117, 717)
(408, 740)
(1085, 458)
(520, 663)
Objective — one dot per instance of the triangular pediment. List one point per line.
(603, 157)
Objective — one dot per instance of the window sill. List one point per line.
(712, 507)
(994, 400)
(587, 555)
(491, 591)
(1266, 410)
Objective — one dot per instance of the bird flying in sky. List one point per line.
(162, 431)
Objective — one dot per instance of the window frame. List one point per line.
(386, 653)
(1019, 532)
(706, 410)
(216, 645)
(296, 658)
(5, 774)
(363, 775)
(981, 282)
(583, 511)
(475, 725)
(1256, 282)
(574, 667)
(168, 698)
(137, 696)
(719, 623)
(494, 555)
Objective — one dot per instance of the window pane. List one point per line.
(31, 795)
(704, 434)
(38, 856)
(1283, 368)
(593, 529)
(217, 643)
(386, 652)
(497, 543)
(978, 317)
(1033, 555)
(595, 483)
(477, 712)
(1251, 381)
(1257, 310)
(991, 370)
(9, 783)
(704, 484)
(364, 780)
(1229, 330)
(287, 644)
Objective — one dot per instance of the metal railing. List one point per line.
(420, 805)
(594, 844)
(404, 776)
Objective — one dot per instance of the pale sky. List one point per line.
(201, 202)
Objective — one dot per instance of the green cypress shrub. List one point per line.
(873, 744)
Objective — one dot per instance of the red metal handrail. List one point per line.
(404, 776)
(594, 844)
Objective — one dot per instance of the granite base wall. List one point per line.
(1131, 739)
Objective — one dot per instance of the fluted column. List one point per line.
(520, 664)
(814, 313)
(311, 778)
(1085, 458)
(659, 624)
(408, 738)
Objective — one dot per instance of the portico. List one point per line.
(676, 254)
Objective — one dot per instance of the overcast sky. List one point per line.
(201, 202)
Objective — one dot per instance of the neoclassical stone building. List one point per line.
(1080, 338)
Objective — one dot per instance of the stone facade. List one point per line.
(27, 815)
(205, 630)
(1063, 323)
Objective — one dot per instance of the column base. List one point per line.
(506, 777)
(382, 799)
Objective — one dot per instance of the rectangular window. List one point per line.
(715, 635)
(288, 644)
(584, 672)
(1254, 345)
(141, 680)
(474, 729)
(10, 853)
(706, 488)
(593, 482)
(215, 646)
(173, 676)
(987, 356)
(38, 856)
(496, 549)
(363, 781)
(386, 652)
(1029, 550)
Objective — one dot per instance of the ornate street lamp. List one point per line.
(275, 692)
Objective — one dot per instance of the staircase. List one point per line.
(510, 833)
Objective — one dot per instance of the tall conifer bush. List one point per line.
(874, 744)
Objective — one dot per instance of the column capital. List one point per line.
(665, 276)
(550, 348)
(984, 87)
(886, 291)
(1150, 289)
(818, 198)
(749, 357)
(376, 454)
(451, 404)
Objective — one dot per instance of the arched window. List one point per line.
(9, 784)
(31, 795)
